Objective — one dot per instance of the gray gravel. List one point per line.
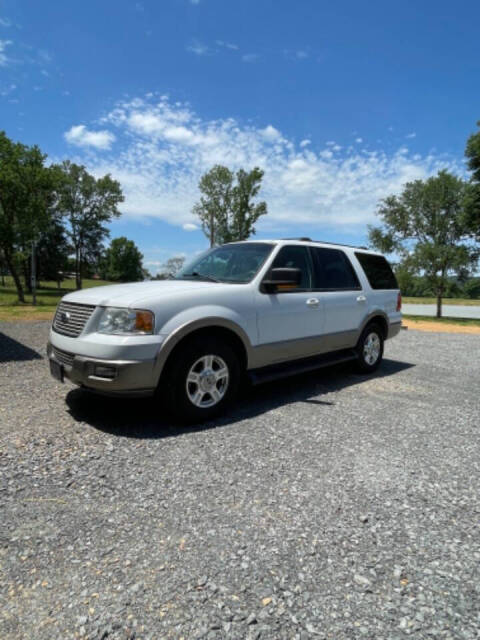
(325, 506)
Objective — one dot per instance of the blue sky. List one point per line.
(339, 102)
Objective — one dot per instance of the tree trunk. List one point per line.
(212, 234)
(27, 275)
(439, 305)
(78, 269)
(16, 278)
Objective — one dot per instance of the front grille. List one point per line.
(70, 318)
(63, 357)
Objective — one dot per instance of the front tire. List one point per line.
(202, 380)
(370, 349)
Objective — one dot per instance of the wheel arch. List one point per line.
(377, 317)
(220, 328)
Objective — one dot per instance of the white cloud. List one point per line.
(5, 91)
(163, 148)
(305, 143)
(226, 45)
(301, 55)
(411, 135)
(80, 136)
(198, 48)
(250, 57)
(5, 22)
(3, 56)
(189, 226)
(271, 134)
(358, 140)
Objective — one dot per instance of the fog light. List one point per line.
(102, 371)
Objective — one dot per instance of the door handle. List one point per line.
(313, 302)
(361, 299)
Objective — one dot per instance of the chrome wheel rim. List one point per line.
(207, 381)
(371, 348)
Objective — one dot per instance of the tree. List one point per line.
(226, 210)
(170, 267)
(472, 199)
(427, 227)
(244, 211)
(215, 203)
(52, 252)
(27, 201)
(173, 265)
(88, 204)
(123, 261)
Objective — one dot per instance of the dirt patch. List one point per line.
(441, 327)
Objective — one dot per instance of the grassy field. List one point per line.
(455, 301)
(48, 295)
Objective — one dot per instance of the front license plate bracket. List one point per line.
(56, 370)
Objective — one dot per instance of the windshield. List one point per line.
(237, 263)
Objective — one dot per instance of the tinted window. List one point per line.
(228, 263)
(378, 271)
(295, 257)
(333, 270)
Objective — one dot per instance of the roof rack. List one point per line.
(337, 244)
(341, 244)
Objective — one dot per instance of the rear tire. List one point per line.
(202, 380)
(370, 349)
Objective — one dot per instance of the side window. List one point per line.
(333, 271)
(378, 271)
(296, 257)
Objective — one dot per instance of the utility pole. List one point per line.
(34, 275)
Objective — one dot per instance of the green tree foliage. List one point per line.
(88, 203)
(52, 252)
(226, 209)
(27, 202)
(123, 261)
(471, 289)
(215, 202)
(427, 227)
(472, 200)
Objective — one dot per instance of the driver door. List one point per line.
(290, 322)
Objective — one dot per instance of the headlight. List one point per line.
(126, 321)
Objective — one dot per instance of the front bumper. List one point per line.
(117, 377)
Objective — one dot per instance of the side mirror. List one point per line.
(282, 278)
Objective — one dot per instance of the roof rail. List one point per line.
(341, 244)
(337, 244)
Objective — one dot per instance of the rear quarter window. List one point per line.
(379, 273)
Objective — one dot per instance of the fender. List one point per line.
(372, 314)
(187, 328)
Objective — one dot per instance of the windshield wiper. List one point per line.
(203, 276)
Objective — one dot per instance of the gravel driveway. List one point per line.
(325, 506)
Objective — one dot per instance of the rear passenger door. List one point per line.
(345, 304)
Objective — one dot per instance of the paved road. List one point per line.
(448, 310)
(329, 505)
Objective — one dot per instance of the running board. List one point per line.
(285, 369)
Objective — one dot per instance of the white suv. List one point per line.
(264, 308)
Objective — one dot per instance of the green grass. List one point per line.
(461, 321)
(455, 301)
(48, 296)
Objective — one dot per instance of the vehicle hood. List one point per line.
(127, 295)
